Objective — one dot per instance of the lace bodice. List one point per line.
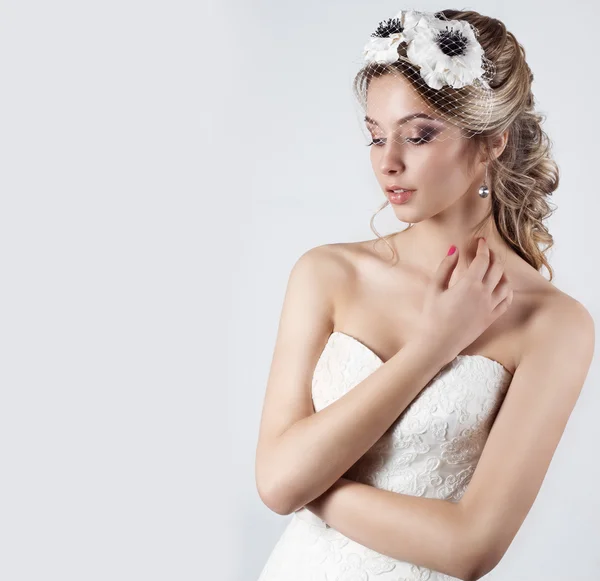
(431, 450)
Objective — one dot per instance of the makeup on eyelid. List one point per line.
(426, 135)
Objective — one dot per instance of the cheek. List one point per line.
(442, 164)
(428, 167)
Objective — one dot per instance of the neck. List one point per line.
(425, 245)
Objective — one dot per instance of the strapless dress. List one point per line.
(431, 450)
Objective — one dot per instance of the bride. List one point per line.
(421, 381)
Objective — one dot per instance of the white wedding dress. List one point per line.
(430, 450)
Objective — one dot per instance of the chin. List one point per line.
(408, 213)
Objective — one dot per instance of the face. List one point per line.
(428, 156)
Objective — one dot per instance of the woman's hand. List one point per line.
(452, 318)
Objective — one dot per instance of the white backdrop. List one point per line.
(163, 165)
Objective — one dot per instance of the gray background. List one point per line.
(163, 165)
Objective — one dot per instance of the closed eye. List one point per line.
(427, 134)
(413, 140)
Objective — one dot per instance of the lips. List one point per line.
(392, 188)
(400, 197)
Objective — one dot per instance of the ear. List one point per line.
(499, 143)
(492, 149)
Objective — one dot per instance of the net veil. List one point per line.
(423, 77)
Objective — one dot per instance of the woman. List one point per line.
(414, 404)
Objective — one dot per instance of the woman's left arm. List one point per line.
(467, 539)
(424, 531)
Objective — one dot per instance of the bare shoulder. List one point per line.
(328, 265)
(333, 264)
(564, 312)
(315, 281)
(564, 325)
(335, 255)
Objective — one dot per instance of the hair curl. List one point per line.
(524, 174)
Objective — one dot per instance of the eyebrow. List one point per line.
(403, 120)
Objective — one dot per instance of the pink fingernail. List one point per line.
(452, 250)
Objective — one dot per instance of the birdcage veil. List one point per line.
(446, 73)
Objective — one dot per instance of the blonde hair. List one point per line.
(524, 174)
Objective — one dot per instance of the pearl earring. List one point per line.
(483, 190)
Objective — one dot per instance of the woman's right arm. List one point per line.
(300, 453)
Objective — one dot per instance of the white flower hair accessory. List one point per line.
(446, 52)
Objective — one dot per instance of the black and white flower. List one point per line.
(445, 51)
(383, 44)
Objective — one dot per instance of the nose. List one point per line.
(391, 158)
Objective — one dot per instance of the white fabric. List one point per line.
(431, 450)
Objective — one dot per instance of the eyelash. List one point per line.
(415, 141)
